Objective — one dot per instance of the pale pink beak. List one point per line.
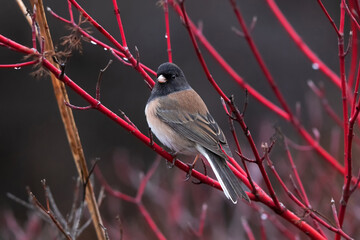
(162, 79)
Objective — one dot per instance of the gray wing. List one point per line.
(194, 123)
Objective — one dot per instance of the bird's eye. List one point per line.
(173, 76)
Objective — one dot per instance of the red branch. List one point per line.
(122, 52)
(138, 199)
(249, 233)
(167, 26)
(228, 69)
(118, 19)
(17, 66)
(299, 182)
(261, 195)
(275, 203)
(123, 49)
(302, 131)
(302, 45)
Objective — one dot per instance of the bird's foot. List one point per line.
(172, 163)
(188, 174)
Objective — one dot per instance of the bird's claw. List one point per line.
(172, 163)
(188, 174)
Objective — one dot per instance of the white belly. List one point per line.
(167, 135)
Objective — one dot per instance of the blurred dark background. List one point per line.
(33, 145)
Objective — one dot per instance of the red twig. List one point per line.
(138, 199)
(258, 96)
(198, 53)
(249, 233)
(278, 94)
(167, 26)
(276, 205)
(354, 52)
(261, 195)
(300, 204)
(151, 222)
(233, 132)
(356, 90)
(329, 17)
(228, 69)
(321, 95)
(146, 179)
(123, 49)
(101, 108)
(333, 209)
(347, 128)
(354, 58)
(200, 231)
(262, 228)
(301, 44)
(120, 55)
(285, 231)
(260, 60)
(18, 66)
(202, 218)
(118, 19)
(352, 17)
(299, 182)
(71, 15)
(238, 116)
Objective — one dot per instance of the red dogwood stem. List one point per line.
(261, 195)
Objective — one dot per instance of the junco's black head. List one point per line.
(170, 79)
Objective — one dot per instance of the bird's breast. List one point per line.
(165, 133)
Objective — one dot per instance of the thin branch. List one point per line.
(329, 18)
(49, 214)
(69, 123)
(18, 66)
(167, 26)
(249, 233)
(118, 19)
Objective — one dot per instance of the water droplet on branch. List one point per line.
(92, 42)
(315, 66)
(17, 68)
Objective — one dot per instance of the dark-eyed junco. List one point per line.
(180, 119)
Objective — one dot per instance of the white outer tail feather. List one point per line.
(225, 190)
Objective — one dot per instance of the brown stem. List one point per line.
(69, 124)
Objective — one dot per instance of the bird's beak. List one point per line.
(161, 79)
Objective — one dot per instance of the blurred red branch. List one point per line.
(138, 199)
(95, 104)
(249, 233)
(302, 45)
(228, 69)
(311, 212)
(302, 131)
(234, 110)
(279, 209)
(299, 182)
(271, 200)
(261, 196)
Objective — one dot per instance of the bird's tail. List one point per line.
(230, 184)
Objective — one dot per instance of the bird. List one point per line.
(179, 118)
